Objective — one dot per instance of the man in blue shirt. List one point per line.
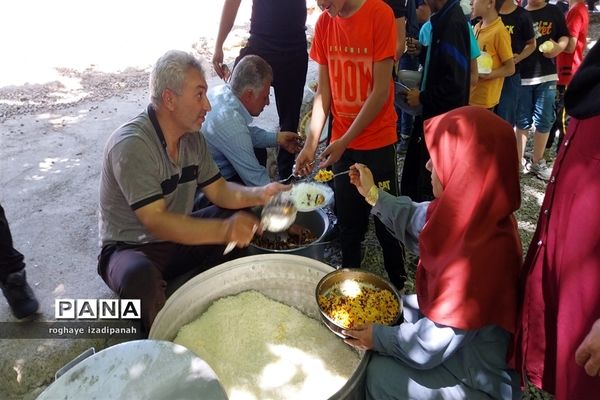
(231, 140)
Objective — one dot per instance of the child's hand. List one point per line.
(332, 153)
(304, 162)
(556, 50)
(413, 47)
(412, 97)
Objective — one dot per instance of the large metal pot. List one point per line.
(318, 223)
(141, 369)
(288, 279)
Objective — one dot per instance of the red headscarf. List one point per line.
(470, 248)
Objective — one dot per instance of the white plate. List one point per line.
(305, 194)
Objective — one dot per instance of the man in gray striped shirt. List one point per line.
(151, 168)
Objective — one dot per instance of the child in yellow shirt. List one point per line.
(494, 42)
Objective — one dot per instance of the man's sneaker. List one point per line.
(541, 170)
(19, 295)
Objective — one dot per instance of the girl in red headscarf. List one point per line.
(454, 339)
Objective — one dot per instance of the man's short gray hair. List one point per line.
(169, 73)
(251, 72)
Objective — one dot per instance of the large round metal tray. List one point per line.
(288, 279)
(141, 369)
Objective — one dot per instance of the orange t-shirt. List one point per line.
(350, 47)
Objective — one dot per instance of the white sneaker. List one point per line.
(525, 165)
(541, 170)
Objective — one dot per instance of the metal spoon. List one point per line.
(333, 176)
(292, 176)
(277, 215)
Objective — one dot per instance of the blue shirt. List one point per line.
(425, 39)
(231, 140)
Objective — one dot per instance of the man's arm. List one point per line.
(229, 133)
(234, 197)
(184, 229)
(240, 227)
(262, 138)
(230, 9)
(238, 148)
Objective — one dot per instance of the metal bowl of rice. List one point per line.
(349, 298)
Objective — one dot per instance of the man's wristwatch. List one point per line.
(372, 196)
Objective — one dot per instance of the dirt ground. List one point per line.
(63, 90)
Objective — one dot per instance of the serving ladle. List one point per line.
(276, 216)
(279, 213)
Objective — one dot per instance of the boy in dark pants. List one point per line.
(522, 40)
(567, 64)
(445, 86)
(355, 46)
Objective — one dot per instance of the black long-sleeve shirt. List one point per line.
(448, 65)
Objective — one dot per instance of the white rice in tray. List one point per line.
(262, 349)
(311, 195)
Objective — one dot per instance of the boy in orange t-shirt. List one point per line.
(493, 39)
(355, 45)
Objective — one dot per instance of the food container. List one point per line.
(546, 47)
(316, 221)
(351, 275)
(140, 369)
(484, 63)
(407, 79)
(309, 196)
(288, 279)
